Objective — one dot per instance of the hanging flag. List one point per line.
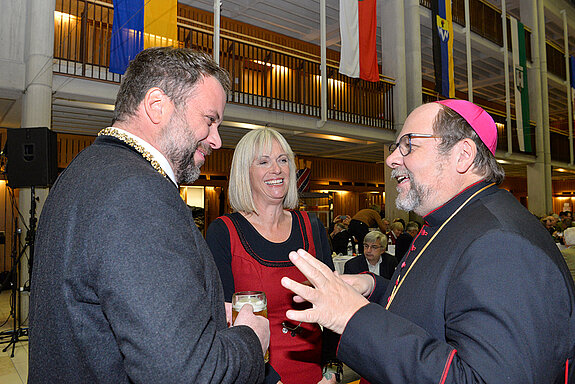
(520, 85)
(302, 176)
(141, 24)
(442, 30)
(358, 27)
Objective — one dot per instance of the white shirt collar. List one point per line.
(157, 155)
(374, 268)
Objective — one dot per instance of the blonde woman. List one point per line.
(251, 247)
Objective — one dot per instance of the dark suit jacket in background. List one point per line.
(339, 242)
(402, 245)
(359, 264)
(124, 288)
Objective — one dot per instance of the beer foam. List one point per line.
(256, 303)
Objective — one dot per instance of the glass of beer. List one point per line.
(259, 303)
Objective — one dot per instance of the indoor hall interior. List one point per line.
(276, 45)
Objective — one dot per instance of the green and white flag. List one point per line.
(520, 85)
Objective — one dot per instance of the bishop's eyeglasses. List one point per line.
(404, 142)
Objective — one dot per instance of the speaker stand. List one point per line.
(18, 333)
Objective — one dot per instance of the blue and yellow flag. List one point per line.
(442, 29)
(140, 24)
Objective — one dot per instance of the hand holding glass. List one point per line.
(259, 303)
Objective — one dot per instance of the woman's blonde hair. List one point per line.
(254, 144)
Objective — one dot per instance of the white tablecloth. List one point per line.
(339, 262)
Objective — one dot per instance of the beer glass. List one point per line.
(257, 300)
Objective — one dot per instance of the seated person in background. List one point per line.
(547, 222)
(374, 258)
(343, 219)
(399, 219)
(404, 240)
(395, 229)
(569, 252)
(566, 219)
(339, 238)
(365, 219)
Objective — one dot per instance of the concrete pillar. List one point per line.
(394, 55)
(401, 56)
(539, 173)
(413, 82)
(36, 106)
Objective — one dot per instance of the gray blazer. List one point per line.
(124, 288)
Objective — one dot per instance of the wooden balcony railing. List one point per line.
(262, 75)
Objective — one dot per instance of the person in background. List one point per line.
(484, 296)
(566, 220)
(400, 220)
(365, 219)
(404, 240)
(374, 258)
(547, 222)
(251, 247)
(395, 229)
(124, 287)
(343, 219)
(340, 238)
(569, 251)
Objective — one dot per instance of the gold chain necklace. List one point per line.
(134, 144)
(396, 287)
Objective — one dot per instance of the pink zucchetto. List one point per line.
(481, 122)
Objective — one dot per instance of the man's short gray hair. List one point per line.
(376, 237)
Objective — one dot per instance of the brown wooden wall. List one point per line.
(8, 214)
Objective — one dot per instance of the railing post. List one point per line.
(216, 44)
(508, 128)
(568, 84)
(323, 65)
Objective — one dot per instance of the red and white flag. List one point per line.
(358, 26)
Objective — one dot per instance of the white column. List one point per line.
(36, 105)
(545, 106)
(539, 173)
(468, 51)
(396, 56)
(568, 85)
(216, 52)
(323, 64)
(412, 33)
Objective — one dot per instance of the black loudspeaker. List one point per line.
(31, 157)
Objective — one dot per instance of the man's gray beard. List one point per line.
(410, 202)
(414, 196)
(179, 148)
(186, 170)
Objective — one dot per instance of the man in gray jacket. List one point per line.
(124, 288)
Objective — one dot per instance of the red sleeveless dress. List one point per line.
(295, 358)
